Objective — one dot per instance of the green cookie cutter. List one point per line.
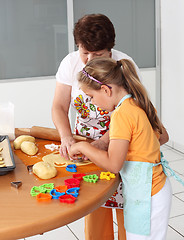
(47, 187)
(91, 178)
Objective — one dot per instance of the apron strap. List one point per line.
(168, 170)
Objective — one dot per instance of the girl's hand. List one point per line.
(75, 150)
(66, 144)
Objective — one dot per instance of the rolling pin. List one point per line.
(43, 133)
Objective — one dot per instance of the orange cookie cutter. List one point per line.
(43, 197)
(61, 188)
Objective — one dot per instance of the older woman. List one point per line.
(94, 36)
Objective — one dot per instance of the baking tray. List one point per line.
(7, 162)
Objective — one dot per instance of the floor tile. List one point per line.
(177, 187)
(165, 147)
(177, 224)
(177, 208)
(173, 235)
(180, 196)
(114, 216)
(177, 166)
(115, 226)
(172, 155)
(115, 236)
(77, 228)
(59, 233)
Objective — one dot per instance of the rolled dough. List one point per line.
(56, 160)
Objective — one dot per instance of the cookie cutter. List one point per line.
(48, 187)
(107, 175)
(55, 195)
(36, 190)
(30, 168)
(72, 182)
(16, 184)
(43, 197)
(73, 191)
(91, 178)
(71, 168)
(61, 188)
(79, 159)
(79, 176)
(67, 198)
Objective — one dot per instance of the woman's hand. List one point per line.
(66, 143)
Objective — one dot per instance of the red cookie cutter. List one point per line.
(72, 182)
(79, 176)
(67, 199)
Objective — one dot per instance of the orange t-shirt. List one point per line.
(130, 122)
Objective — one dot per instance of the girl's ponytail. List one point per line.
(122, 73)
(133, 86)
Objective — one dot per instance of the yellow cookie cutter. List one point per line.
(107, 175)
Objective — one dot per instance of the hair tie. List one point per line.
(94, 79)
(119, 63)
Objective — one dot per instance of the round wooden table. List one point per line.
(21, 215)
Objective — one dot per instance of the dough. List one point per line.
(44, 170)
(29, 148)
(18, 141)
(56, 160)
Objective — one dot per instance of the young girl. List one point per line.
(134, 148)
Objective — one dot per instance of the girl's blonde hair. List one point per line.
(121, 73)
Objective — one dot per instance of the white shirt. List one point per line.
(91, 121)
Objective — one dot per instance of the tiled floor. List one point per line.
(75, 230)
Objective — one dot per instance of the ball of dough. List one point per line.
(29, 148)
(18, 141)
(44, 170)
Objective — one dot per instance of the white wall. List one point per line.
(149, 81)
(172, 66)
(32, 98)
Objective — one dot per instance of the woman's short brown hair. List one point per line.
(94, 32)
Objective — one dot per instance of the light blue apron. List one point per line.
(137, 186)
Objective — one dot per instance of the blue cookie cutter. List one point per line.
(55, 194)
(71, 168)
(73, 191)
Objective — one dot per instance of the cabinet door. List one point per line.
(33, 37)
(134, 23)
